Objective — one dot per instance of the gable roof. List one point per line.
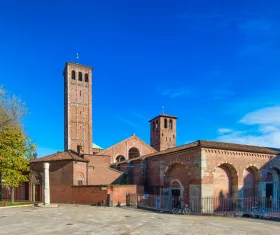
(67, 155)
(104, 152)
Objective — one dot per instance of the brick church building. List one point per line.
(198, 169)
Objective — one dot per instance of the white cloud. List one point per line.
(264, 129)
(224, 131)
(175, 92)
(270, 115)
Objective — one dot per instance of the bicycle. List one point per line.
(255, 212)
(185, 210)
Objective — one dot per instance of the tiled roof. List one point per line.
(164, 115)
(175, 149)
(213, 145)
(67, 155)
(238, 147)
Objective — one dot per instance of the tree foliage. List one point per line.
(15, 152)
(15, 147)
(12, 110)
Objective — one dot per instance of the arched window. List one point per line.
(80, 179)
(86, 77)
(80, 76)
(165, 123)
(120, 158)
(73, 75)
(170, 124)
(156, 124)
(133, 153)
(153, 125)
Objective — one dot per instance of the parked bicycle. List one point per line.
(258, 213)
(184, 210)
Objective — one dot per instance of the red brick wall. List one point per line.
(79, 169)
(119, 193)
(160, 171)
(88, 194)
(61, 179)
(99, 171)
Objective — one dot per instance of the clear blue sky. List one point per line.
(214, 64)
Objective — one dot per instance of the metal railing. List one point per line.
(20, 193)
(208, 205)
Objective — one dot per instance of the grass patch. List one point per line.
(8, 203)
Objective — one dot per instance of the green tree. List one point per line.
(15, 147)
(15, 153)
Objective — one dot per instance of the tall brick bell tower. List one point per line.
(163, 132)
(78, 107)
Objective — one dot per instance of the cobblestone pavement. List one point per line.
(73, 219)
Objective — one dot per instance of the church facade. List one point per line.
(196, 170)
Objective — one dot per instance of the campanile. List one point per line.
(163, 132)
(77, 107)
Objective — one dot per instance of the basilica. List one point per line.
(86, 173)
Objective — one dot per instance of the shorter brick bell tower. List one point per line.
(163, 132)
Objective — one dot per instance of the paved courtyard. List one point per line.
(72, 219)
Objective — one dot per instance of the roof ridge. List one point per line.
(116, 170)
(131, 137)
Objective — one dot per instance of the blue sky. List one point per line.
(214, 64)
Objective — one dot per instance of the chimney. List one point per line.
(79, 150)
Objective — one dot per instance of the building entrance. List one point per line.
(175, 193)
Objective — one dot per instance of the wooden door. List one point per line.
(37, 192)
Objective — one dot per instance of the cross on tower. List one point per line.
(77, 58)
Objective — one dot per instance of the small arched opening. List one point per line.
(272, 186)
(177, 180)
(170, 124)
(80, 179)
(165, 123)
(120, 158)
(73, 75)
(133, 153)
(80, 76)
(86, 77)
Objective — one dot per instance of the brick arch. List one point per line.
(119, 157)
(251, 179)
(225, 180)
(174, 173)
(80, 178)
(176, 183)
(133, 152)
(172, 165)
